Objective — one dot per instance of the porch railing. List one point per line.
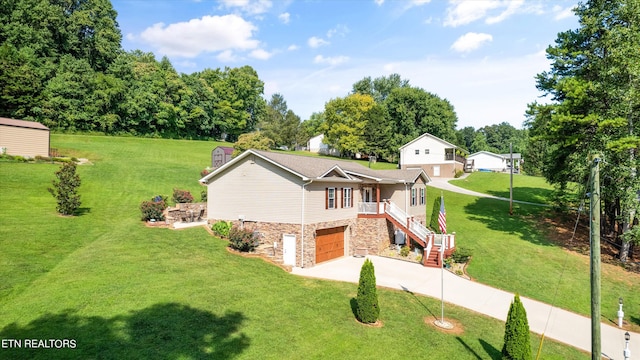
(428, 248)
(419, 229)
(367, 208)
(396, 213)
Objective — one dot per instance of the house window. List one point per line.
(330, 198)
(426, 151)
(422, 196)
(347, 197)
(413, 197)
(417, 152)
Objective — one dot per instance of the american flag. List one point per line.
(442, 217)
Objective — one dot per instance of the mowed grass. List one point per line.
(525, 188)
(515, 254)
(122, 290)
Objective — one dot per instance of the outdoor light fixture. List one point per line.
(627, 352)
(620, 313)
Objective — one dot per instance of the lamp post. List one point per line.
(627, 352)
(620, 313)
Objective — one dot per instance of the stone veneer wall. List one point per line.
(371, 234)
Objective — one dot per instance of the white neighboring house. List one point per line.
(488, 161)
(316, 145)
(437, 157)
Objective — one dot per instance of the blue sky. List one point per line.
(480, 55)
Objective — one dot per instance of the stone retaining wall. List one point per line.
(176, 213)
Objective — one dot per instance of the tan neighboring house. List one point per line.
(23, 138)
(308, 210)
(437, 157)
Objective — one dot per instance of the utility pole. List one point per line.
(511, 181)
(596, 340)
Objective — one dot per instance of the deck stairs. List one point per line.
(430, 241)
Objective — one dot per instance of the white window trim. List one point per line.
(331, 198)
(346, 200)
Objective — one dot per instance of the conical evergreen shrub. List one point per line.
(517, 345)
(367, 310)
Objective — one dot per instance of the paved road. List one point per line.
(562, 325)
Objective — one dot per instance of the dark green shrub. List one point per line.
(243, 239)
(367, 309)
(203, 196)
(182, 196)
(153, 209)
(517, 344)
(461, 255)
(221, 228)
(65, 189)
(404, 252)
(435, 211)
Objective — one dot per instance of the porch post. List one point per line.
(377, 198)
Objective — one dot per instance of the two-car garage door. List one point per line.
(329, 244)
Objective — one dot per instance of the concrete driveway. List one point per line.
(558, 324)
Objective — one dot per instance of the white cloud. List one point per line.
(378, 2)
(462, 12)
(285, 17)
(471, 41)
(419, 2)
(340, 30)
(293, 47)
(465, 12)
(562, 13)
(316, 42)
(207, 34)
(130, 37)
(251, 7)
(512, 8)
(227, 56)
(336, 60)
(260, 54)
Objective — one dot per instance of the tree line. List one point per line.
(61, 64)
(593, 84)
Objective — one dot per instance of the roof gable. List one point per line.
(427, 135)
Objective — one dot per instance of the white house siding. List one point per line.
(315, 143)
(258, 190)
(435, 156)
(22, 141)
(315, 203)
(488, 161)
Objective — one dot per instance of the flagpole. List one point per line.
(442, 224)
(442, 266)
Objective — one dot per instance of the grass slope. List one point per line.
(514, 253)
(525, 188)
(122, 290)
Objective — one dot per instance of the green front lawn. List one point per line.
(525, 188)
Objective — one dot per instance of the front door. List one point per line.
(367, 194)
(289, 249)
(436, 170)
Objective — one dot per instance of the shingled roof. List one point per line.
(316, 168)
